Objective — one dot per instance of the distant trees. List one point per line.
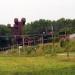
(5, 30)
(42, 25)
(37, 27)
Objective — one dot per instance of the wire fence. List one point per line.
(38, 47)
(35, 45)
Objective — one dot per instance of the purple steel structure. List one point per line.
(17, 29)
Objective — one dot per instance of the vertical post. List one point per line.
(52, 39)
(42, 39)
(42, 42)
(42, 45)
(12, 44)
(23, 41)
(19, 50)
(34, 41)
(67, 41)
(68, 45)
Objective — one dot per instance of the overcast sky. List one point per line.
(36, 9)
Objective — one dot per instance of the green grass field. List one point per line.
(41, 65)
(38, 61)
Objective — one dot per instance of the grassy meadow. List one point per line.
(38, 60)
(41, 65)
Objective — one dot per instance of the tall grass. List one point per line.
(40, 49)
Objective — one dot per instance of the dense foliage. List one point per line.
(42, 25)
(5, 30)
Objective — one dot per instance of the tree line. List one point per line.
(42, 25)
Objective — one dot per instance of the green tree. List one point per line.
(38, 27)
(4, 30)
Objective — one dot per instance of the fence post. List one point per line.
(42, 42)
(23, 41)
(52, 40)
(19, 48)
